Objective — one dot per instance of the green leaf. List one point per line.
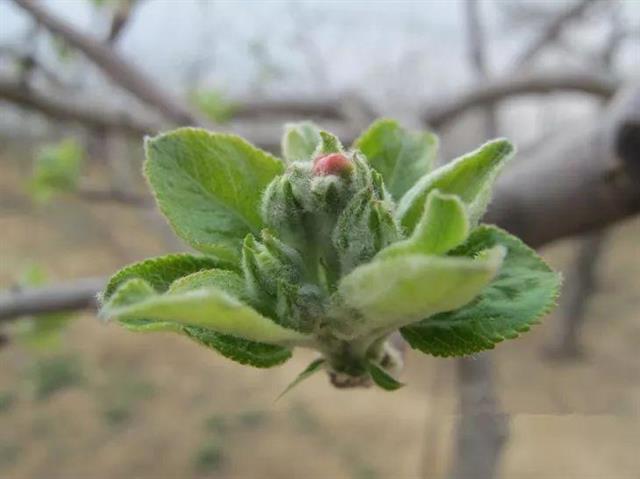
(209, 186)
(161, 271)
(524, 290)
(383, 378)
(209, 308)
(214, 104)
(309, 371)
(397, 291)
(243, 351)
(443, 226)
(300, 141)
(328, 144)
(470, 177)
(401, 156)
(56, 170)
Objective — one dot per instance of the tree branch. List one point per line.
(551, 31)
(579, 182)
(439, 114)
(71, 296)
(118, 69)
(92, 116)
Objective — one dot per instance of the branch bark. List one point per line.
(118, 69)
(74, 295)
(92, 117)
(439, 114)
(551, 31)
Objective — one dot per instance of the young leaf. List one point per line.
(401, 156)
(243, 351)
(524, 290)
(383, 378)
(443, 226)
(209, 186)
(470, 177)
(328, 144)
(161, 271)
(208, 308)
(300, 141)
(397, 291)
(309, 371)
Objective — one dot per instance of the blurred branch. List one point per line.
(440, 113)
(102, 196)
(550, 32)
(483, 428)
(581, 181)
(118, 69)
(579, 285)
(73, 295)
(90, 116)
(120, 20)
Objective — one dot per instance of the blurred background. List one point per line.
(82, 81)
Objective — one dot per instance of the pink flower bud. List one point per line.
(332, 164)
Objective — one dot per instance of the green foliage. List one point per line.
(213, 104)
(318, 254)
(309, 371)
(7, 401)
(210, 457)
(300, 141)
(209, 186)
(524, 290)
(400, 156)
(469, 177)
(56, 170)
(383, 378)
(52, 374)
(43, 331)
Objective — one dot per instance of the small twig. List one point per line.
(115, 67)
(70, 296)
(551, 31)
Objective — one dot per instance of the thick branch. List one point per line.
(579, 182)
(118, 69)
(491, 93)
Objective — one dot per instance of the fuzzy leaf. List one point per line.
(161, 271)
(383, 378)
(524, 290)
(328, 144)
(401, 156)
(300, 141)
(209, 186)
(443, 226)
(470, 177)
(309, 371)
(241, 350)
(397, 291)
(208, 308)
